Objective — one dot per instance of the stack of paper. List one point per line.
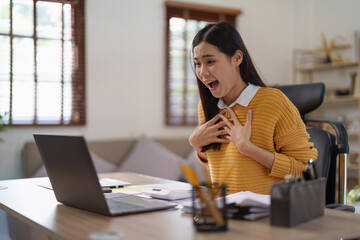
(242, 205)
(248, 205)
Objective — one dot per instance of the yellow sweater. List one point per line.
(276, 127)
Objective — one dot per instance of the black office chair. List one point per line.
(332, 147)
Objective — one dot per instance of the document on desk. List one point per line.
(176, 190)
(252, 202)
(248, 205)
(249, 199)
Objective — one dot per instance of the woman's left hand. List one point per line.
(237, 133)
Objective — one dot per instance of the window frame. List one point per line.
(189, 11)
(78, 110)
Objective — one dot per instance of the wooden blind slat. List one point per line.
(200, 15)
(197, 12)
(35, 65)
(11, 62)
(62, 63)
(201, 8)
(78, 109)
(77, 98)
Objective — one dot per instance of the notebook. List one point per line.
(75, 183)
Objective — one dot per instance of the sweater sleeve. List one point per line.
(293, 149)
(201, 116)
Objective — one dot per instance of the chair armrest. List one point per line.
(341, 133)
(341, 207)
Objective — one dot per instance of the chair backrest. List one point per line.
(308, 97)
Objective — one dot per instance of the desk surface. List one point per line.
(37, 207)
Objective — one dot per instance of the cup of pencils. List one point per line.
(208, 202)
(209, 208)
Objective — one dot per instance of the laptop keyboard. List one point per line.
(116, 205)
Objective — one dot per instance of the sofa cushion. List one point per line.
(101, 166)
(151, 158)
(41, 172)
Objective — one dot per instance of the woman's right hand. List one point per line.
(208, 132)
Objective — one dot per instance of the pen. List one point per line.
(310, 171)
(313, 169)
(118, 186)
(289, 178)
(107, 190)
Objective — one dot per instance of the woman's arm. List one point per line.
(293, 149)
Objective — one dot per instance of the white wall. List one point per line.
(125, 62)
(340, 20)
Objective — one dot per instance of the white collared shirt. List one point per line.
(244, 99)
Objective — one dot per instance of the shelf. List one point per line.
(320, 50)
(307, 68)
(353, 134)
(352, 171)
(352, 167)
(328, 66)
(345, 98)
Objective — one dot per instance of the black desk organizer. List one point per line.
(296, 202)
(205, 223)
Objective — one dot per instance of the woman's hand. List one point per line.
(240, 136)
(208, 132)
(236, 133)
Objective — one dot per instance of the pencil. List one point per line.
(210, 205)
(223, 180)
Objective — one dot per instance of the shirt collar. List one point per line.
(244, 99)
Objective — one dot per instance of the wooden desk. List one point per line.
(38, 208)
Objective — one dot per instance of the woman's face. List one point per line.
(219, 72)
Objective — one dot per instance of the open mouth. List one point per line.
(213, 84)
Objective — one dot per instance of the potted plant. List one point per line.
(353, 195)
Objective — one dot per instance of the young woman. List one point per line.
(243, 125)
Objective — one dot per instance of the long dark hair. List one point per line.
(227, 39)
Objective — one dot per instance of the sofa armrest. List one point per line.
(31, 159)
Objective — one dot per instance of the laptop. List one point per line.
(75, 183)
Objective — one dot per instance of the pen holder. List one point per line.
(296, 202)
(209, 208)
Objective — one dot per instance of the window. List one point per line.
(42, 70)
(184, 20)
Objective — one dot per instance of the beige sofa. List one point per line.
(114, 151)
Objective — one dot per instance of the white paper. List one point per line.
(104, 182)
(110, 182)
(248, 199)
